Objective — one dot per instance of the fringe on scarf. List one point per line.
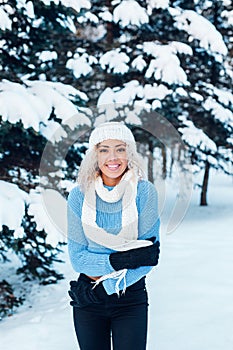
(119, 275)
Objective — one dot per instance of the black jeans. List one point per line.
(122, 318)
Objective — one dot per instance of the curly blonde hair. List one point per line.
(89, 169)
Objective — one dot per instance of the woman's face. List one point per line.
(112, 161)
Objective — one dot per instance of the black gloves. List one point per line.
(133, 258)
(82, 294)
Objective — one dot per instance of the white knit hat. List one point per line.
(113, 131)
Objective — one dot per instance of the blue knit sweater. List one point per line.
(92, 259)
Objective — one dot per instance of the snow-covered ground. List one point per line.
(190, 292)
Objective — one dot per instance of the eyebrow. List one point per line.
(121, 144)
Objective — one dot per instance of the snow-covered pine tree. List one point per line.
(168, 57)
(35, 101)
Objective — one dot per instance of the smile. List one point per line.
(113, 166)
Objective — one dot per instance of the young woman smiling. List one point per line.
(113, 241)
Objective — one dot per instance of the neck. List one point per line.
(109, 181)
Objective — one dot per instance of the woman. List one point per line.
(113, 242)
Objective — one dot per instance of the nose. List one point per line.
(112, 154)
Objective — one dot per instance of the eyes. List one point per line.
(106, 150)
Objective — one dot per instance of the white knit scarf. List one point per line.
(126, 239)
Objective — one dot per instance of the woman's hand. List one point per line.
(94, 278)
(134, 258)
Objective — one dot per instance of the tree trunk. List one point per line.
(150, 163)
(109, 25)
(171, 163)
(205, 184)
(164, 166)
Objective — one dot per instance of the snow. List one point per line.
(12, 202)
(224, 96)
(132, 117)
(139, 63)
(156, 104)
(156, 91)
(33, 103)
(224, 115)
(116, 61)
(166, 65)
(196, 96)
(226, 2)
(179, 47)
(41, 206)
(28, 6)
(5, 22)
(48, 208)
(126, 96)
(53, 131)
(76, 5)
(106, 97)
(67, 22)
(45, 56)
(229, 16)
(121, 96)
(129, 92)
(82, 117)
(181, 92)
(106, 16)
(195, 137)
(81, 64)
(89, 17)
(32, 111)
(163, 4)
(199, 28)
(129, 12)
(190, 292)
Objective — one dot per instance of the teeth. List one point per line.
(113, 166)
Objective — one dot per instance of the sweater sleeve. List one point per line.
(82, 260)
(148, 215)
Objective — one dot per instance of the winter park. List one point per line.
(164, 70)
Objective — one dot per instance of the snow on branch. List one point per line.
(163, 4)
(67, 22)
(81, 64)
(224, 115)
(224, 96)
(129, 12)
(131, 92)
(33, 103)
(113, 100)
(229, 16)
(199, 28)
(5, 22)
(195, 137)
(46, 55)
(88, 17)
(12, 201)
(76, 5)
(121, 96)
(48, 209)
(139, 63)
(116, 61)
(166, 65)
(156, 91)
(28, 6)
